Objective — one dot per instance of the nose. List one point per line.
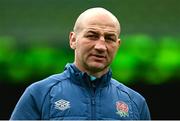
(100, 45)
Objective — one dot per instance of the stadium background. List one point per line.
(34, 45)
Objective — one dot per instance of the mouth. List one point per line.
(98, 57)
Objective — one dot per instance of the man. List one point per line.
(85, 90)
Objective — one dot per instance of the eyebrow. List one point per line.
(93, 32)
(106, 33)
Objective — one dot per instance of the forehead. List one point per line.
(102, 23)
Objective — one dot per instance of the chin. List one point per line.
(97, 66)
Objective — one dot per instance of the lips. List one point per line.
(98, 56)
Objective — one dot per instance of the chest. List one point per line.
(75, 102)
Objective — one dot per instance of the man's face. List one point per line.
(96, 45)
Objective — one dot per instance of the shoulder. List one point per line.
(43, 86)
(137, 100)
(133, 95)
(35, 96)
(37, 92)
(46, 84)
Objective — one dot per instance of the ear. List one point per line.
(72, 40)
(119, 42)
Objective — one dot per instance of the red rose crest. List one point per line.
(122, 108)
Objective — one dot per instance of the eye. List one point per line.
(92, 36)
(110, 38)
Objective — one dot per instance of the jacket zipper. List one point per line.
(93, 108)
(93, 101)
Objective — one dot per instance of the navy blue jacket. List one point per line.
(71, 95)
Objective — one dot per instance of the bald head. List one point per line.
(98, 16)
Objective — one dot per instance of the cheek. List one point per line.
(81, 49)
(84, 45)
(112, 49)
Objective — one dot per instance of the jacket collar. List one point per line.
(83, 79)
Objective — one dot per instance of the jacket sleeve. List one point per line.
(26, 108)
(145, 113)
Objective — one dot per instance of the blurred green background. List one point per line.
(34, 38)
(140, 57)
(34, 42)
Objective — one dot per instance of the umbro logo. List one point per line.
(62, 104)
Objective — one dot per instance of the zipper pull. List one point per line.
(93, 86)
(93, 101)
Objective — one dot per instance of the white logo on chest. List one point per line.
(62, 104)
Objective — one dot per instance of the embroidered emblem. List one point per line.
(122, 109)
(62, 104)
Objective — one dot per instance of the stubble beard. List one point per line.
(93, 69)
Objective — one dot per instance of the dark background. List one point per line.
(31, 31)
